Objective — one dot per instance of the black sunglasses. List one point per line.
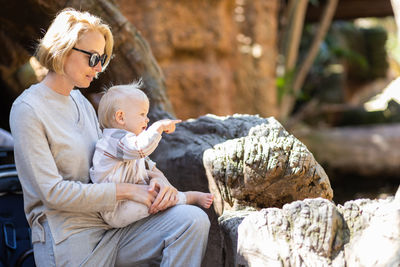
(94, 57)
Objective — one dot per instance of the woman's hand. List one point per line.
(167, 194)
(144, 194)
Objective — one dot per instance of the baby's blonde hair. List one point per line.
(64, 32)
(114, 99)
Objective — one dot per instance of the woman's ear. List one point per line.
(120, 117)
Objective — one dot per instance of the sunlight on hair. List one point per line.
(39, 70)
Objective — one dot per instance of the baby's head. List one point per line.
(124, 107)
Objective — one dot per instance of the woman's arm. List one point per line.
(38, 172)
(136, 192)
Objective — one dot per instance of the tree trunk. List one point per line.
(364, 150)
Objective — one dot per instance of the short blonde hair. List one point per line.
(64, 32)
(114, 99)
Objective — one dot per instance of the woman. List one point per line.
(55, 130)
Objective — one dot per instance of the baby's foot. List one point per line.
(199, 198)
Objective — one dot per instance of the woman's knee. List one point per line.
(194, 216)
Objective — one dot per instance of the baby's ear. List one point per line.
(120, 117)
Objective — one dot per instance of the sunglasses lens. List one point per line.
(103, 59)
(93, 60)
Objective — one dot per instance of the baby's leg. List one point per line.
(198, 198)
(126, 213)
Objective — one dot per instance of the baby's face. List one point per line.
(136, 119)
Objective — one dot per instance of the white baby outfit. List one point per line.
(122, 157)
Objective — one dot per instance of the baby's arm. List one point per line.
(165, 125)
(134, 147)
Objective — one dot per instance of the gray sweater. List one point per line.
(55, 137)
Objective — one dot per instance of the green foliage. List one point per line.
(284, 85)
(348, 52)
(350, 56)
(314, 2)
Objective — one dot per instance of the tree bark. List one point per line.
(363, 150)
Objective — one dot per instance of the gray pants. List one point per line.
(175, 237)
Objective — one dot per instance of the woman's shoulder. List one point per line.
(27, 98)
(24, 109)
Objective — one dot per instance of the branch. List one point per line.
(326, 19)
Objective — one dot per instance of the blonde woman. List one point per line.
(55, 130)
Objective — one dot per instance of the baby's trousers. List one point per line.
(175, 237)
(127, 212)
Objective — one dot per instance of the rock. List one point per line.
(180, 156)
(266, 168)
(229, 222)
(302, 233)
(375, 232)
(315, 232)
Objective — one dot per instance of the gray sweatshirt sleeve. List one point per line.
(39, 175)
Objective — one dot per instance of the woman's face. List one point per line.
(76, 68)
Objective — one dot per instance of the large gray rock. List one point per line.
(315, 232)
(268, 167)
(180, 156)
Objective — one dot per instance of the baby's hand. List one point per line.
(166, 125)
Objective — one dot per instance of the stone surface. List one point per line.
(316, 232)
(302, 233)
(229, 222)
(180, 156)
(266, 168)
(375, 232)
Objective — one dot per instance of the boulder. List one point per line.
(316, 232)
(268, 167)
(277, 167)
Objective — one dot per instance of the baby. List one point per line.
(121, 155)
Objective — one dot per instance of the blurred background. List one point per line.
(326, 69)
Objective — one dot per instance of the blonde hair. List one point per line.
(114, 99)
(64, 32)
